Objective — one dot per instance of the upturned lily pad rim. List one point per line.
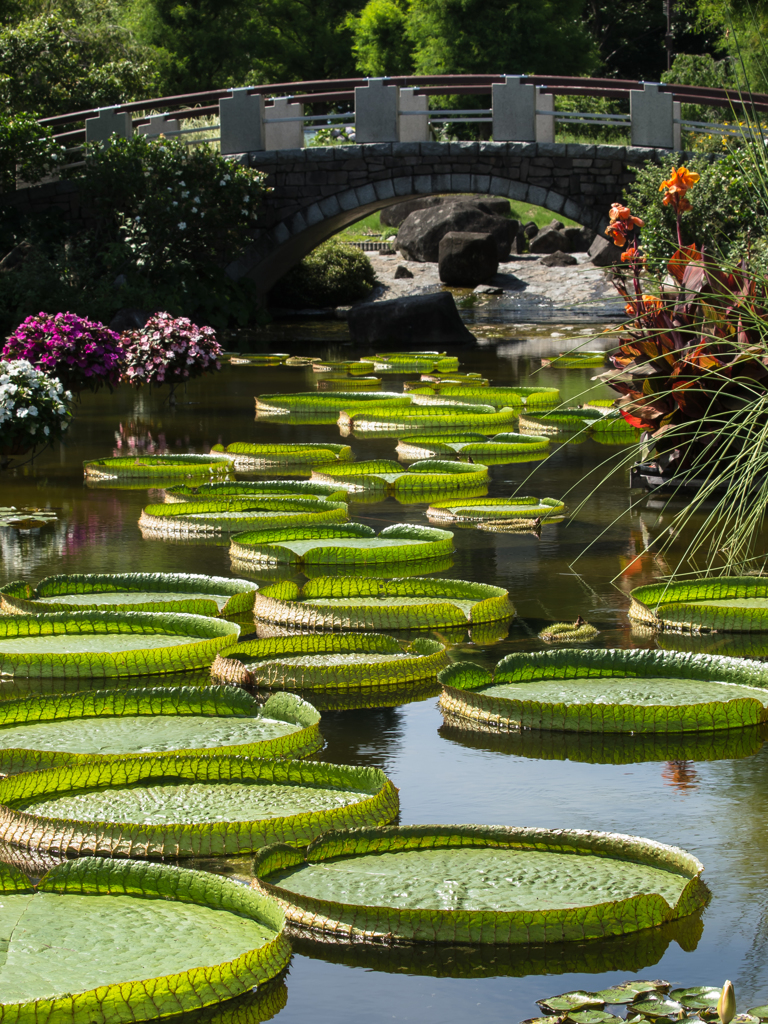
(119, 839)
(527, 507)
(288, 510)
(680, 605)
(20, 598)
(155, 465)
(254, 488)
(142, 1000)
(426, 473)
(349, 922)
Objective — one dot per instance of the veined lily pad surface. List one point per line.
(107, 645)
(429, 475)
(335, 401)
(619, 691)
(258, 358)
(40, 732)
(157, 467)
(478, 510)
(605, 424)
(179, 806)
(336, 662)
(500, 398)
(232, 515)
(575, 360)
(245, 456)
(737, 604)
(383, 419)
(348, 602)
(137, 591)
(330, 383)
(257, 488)
(498, 446)
(353, 544)
(476, 884)
(113, 942)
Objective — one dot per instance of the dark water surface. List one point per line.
(716, 809)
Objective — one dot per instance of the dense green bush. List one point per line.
(26, 150)
(334, 274)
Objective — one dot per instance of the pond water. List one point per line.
(716, 809)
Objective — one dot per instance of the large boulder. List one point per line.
(421, 232)
(559, 259)
(603, 253)
(393, 216)
(580, 238)
(420, 321)
(549, 240)
(467, 258)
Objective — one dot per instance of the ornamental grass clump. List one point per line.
(168, 350)
(33, 408)
(83, 354)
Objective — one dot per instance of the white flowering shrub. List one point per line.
(34, 408)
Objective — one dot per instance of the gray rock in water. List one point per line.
(467, 258)
(549, 240)
(488, 289)
(559, 259)
(393, 216)
(128, 319)
(580, 238)
(421, 232)
(603, 253)
(402, 271)
(421, 321)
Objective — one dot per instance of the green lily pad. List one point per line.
(499, 397)
(593, 1017)
(140, 591)
(112, 942)
(609, 691)
(157, 467)
(463, 445)
(210, 518)
(556, 1019)
(761, 1012)
(386, 419)
(737, 604)
(478, 510)
(206, 805)
(349, 602)
(325, 401)
(245, 457)
(571, 1001)
(337, 662)
(656, 1006)
(477, 884)
(697, 998)
(257, 488)
(431, 475)
(627, 991)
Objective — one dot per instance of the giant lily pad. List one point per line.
(257, 488)
(572, 420)
(245, 457)
(201, 806)
(437, 381)
(157, 467)
(235, 514)
(415, 362)
(475, 884)
(39, 732)
(330, 662)
(620, 691)
(500, 398)
(333, 401)
(113, 942)
(258, 358)
(498, 447)
(406, 484)
(348, 602)
(135, 591)
(385, 419)
(579, 360)
(737, 604)
(103, 645)
(349, 383)
(353, 544)
(481, 510)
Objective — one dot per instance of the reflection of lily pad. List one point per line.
(177, 940)
(332, 662)
(736, 604)
(349, 602)
(619, 691)
(201, 806)
(27, 517)
(209, 518)
(245, 456)
(476, 884)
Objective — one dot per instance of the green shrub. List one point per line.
(26, 149)
(334, 274)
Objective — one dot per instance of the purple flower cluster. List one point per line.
(169, 350)
(81, 353)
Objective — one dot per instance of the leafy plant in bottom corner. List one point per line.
(168, 350)
(33, 408)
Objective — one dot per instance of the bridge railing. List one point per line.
(276, 117)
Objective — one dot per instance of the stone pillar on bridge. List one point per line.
(652, 114)
(514, 110)
(280, 133)
(545, 121)
(109, 122)
(242, 122)
(414, 117)
(160, 124)
(377, 112)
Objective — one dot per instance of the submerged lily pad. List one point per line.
(132, 942)
(349, 602)
(478, 510)
(206, 518)
(336, 662)
(476, 884)
(187, 806)
(245, 456)
(353, 544)
(736, 604)
(100, 645)
(406, 484)
(137, 591)
(624, 691)
(156, 467)
(40, 732)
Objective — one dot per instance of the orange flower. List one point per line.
(621, 213)
(629, 255)
(648, 304)
(680, 179)
(676, 196)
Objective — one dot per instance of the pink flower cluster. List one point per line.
(169, 350)
(81, 353)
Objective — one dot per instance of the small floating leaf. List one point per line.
(629, 990)
(698, 997)
(658, 1006)
(578, 1000)
(592, 1017)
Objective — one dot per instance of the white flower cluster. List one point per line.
(32, 404)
